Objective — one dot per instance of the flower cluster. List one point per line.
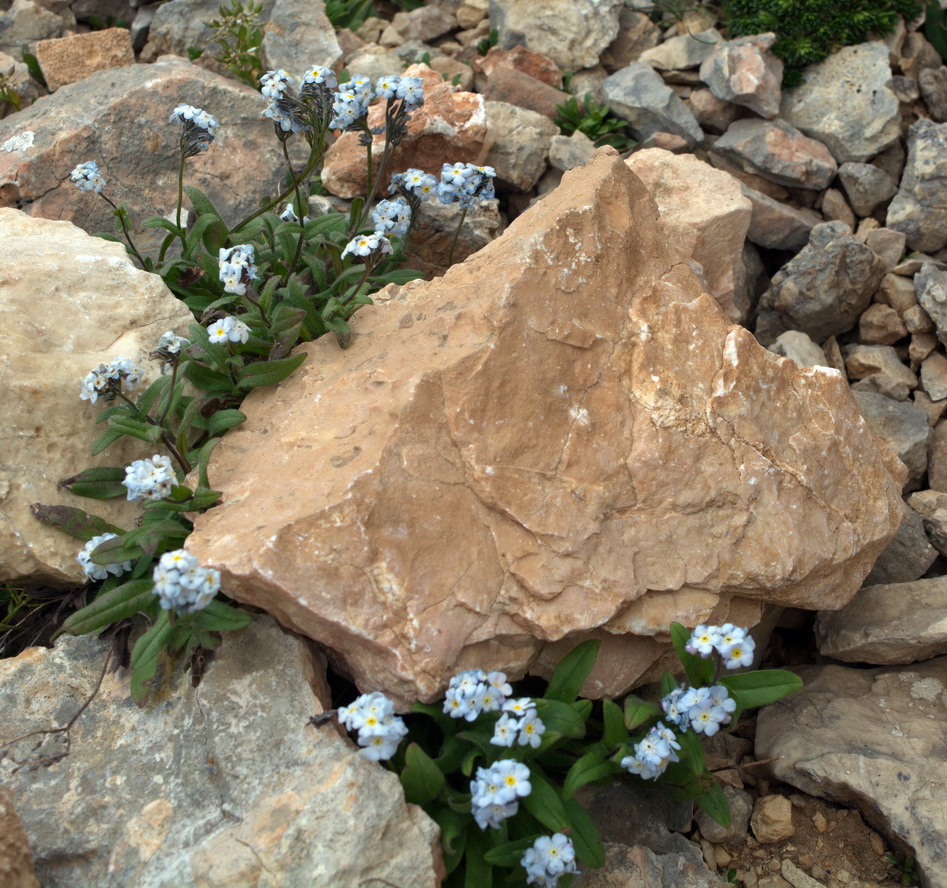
(106, 379)
(318, 76)
(100, 571)
(653, 753)
(497, 790)
(274, 84)
(379, 729)
(519, 723)
(199, 128)
(228, 329)
(150, 479)
(236, 268)
(168, 349)
(182, 585)
(392, 217)
(87, 177)
(548, 859)
(474, 691)
(732, 643)
(413, 183)
(351, 102)
(465, 183)
(703, 709)
(374, 244)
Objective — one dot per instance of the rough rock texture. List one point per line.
(639, 95)
(846, 102)
(682, 52)
(919, 209)
(573, 420)
(450, 127)
(745, 71)
(16, 860)
(777, 225)
(297, 35)
(572, 33)
(866, 186)
(888, 625)
(70, 302)
(903, 427)
(23, 21)
(778, 152)
(521, 140)
(703, 214)
(220, 785)
(908, 555)
(71, 59)
(119, 118)
(931, 505)
(930, 286)
(872, 738)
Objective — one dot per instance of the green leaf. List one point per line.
(453, 836)
(545, 804)
(144, 662)
(691, 752)
(714, 803)
(590, 767)
(201, 202)
(668, 684)
(638, 712)
(268, 372)
(75, 522)
(98, 482)
(935, 28)
(207, 380)
(572, 672)
(117, 604)
(148, 397)
(421, 778)
(219, 616)
(762, 687)
(223, 420)
(104, 440)
(509, 853)
(478, 872)
(700, 670)
(560, 718)
(584, 835)
(135, 428)
(615, 729)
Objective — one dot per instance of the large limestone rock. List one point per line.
(70, 302)
(562, 434)
(873, 739)
(119, 118)
(217, 786)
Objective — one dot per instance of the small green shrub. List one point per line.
(808, 30)
(595, 120)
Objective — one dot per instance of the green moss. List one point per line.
(808, 30)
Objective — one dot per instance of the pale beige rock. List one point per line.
(71, 302)
(216, 786)
(71, 59)
(898, 623)
(880, 325)
(16, 861)
(931, 505)
(934, 375)
(771, 820)
(450, 127)
(704, 215)
(800, 349)
(562, 434)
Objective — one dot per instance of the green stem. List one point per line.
(300, 214)
(121, 215)
(166, 438)
(180, 203)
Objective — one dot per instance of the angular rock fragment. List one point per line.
(919, 209)
(561, 435)
(745, 71)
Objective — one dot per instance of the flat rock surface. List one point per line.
(874, 739)
(217, 786)
(562, 434)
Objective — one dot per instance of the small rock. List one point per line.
(741, 806)
(896, 291)
(521, 141)
(567, 152)
(796, 877)
(922, 344)
(639, 95)
(714, 115)
(519, 58)
(880, 325)
(919, 208)
(518, 88)
(907, 557)
(933, 410)
(835, 208)
(903, 427)
(933, 86)
(71, 59)
(867, 186)
(846, 103)
(934, 375)
(771, 820)
(745, 71)
(778, 152)
(636, 33)
(937, 459)
(799, 348)
(819, 822)
(683, 52)
(887, 244)
(426, 23)
(886, 625)
(930, 286)
(931, 505)
(776, 225)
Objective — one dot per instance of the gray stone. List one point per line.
(298, 35)
(907, 557)
(823, 290)
(567, 152)
(374, 61)
(24, 22)
(872, 738)
(887, 244)
(919, 209)
(937, 459)
(931, 505)
(776, 225)
(683, 52)
(741, 807)
(871, 361)
(636, 33)
(771, 819)
(800, 349)
(222, 784)
(887, 625)
(934, 376)
(745, 71)
(933, 85)
(425, 23)
(835, 208)
(714, 115)
(846, 103)
(639, 95)
(778, 152)
(521, 140)
(930, 285)
(120, 118)
(903, 427)
(867, 186)
(572, 33)
(179, 24)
